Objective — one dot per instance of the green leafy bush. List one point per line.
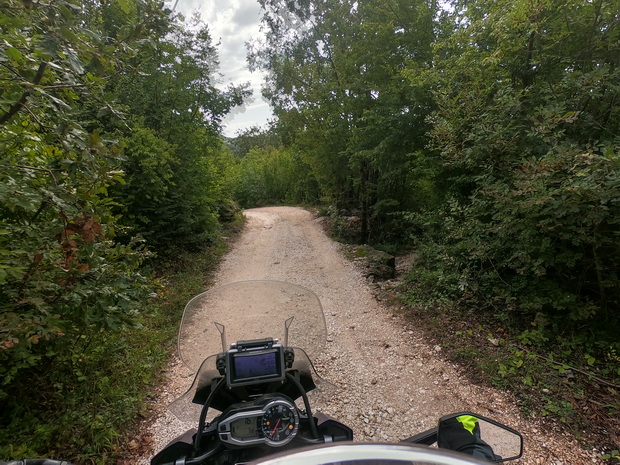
(530, 164)
(268, 176)
(75, 297)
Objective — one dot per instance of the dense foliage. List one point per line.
(253, 137)
(338, 88)
(177, 175)
(529, 161)
(271, 176)
(110, 149)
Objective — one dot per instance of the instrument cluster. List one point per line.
(273, 422)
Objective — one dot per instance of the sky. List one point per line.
(232, 23)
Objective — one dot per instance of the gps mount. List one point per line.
(255, 361)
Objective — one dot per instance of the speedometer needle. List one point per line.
(275, 428)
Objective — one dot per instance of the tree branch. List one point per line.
(22, 101)
(583, 372)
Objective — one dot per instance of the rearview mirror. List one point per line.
(479, 437)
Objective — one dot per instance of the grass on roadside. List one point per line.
(563, 382)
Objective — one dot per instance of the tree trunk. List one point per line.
(364, 201)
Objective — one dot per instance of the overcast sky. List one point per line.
(232, 23)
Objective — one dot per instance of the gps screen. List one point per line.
(256, 365)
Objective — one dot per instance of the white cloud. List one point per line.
(232, 23)
(247, 15)
(247, 117)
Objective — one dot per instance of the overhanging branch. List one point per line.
(14, 109)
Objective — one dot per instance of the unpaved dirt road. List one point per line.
(391, 382)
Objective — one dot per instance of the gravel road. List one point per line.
(392, 383)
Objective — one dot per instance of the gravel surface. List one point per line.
(391, 382)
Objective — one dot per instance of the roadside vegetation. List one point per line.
(554, 376)
(84, 409)
(115, 192)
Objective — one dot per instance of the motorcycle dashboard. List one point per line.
(271, 422)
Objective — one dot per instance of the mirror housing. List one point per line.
(479, 437)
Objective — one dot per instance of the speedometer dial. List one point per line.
(280, 423)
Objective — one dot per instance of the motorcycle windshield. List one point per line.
(251, 310)
(244, 311)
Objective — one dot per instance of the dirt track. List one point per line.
(392, 383)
